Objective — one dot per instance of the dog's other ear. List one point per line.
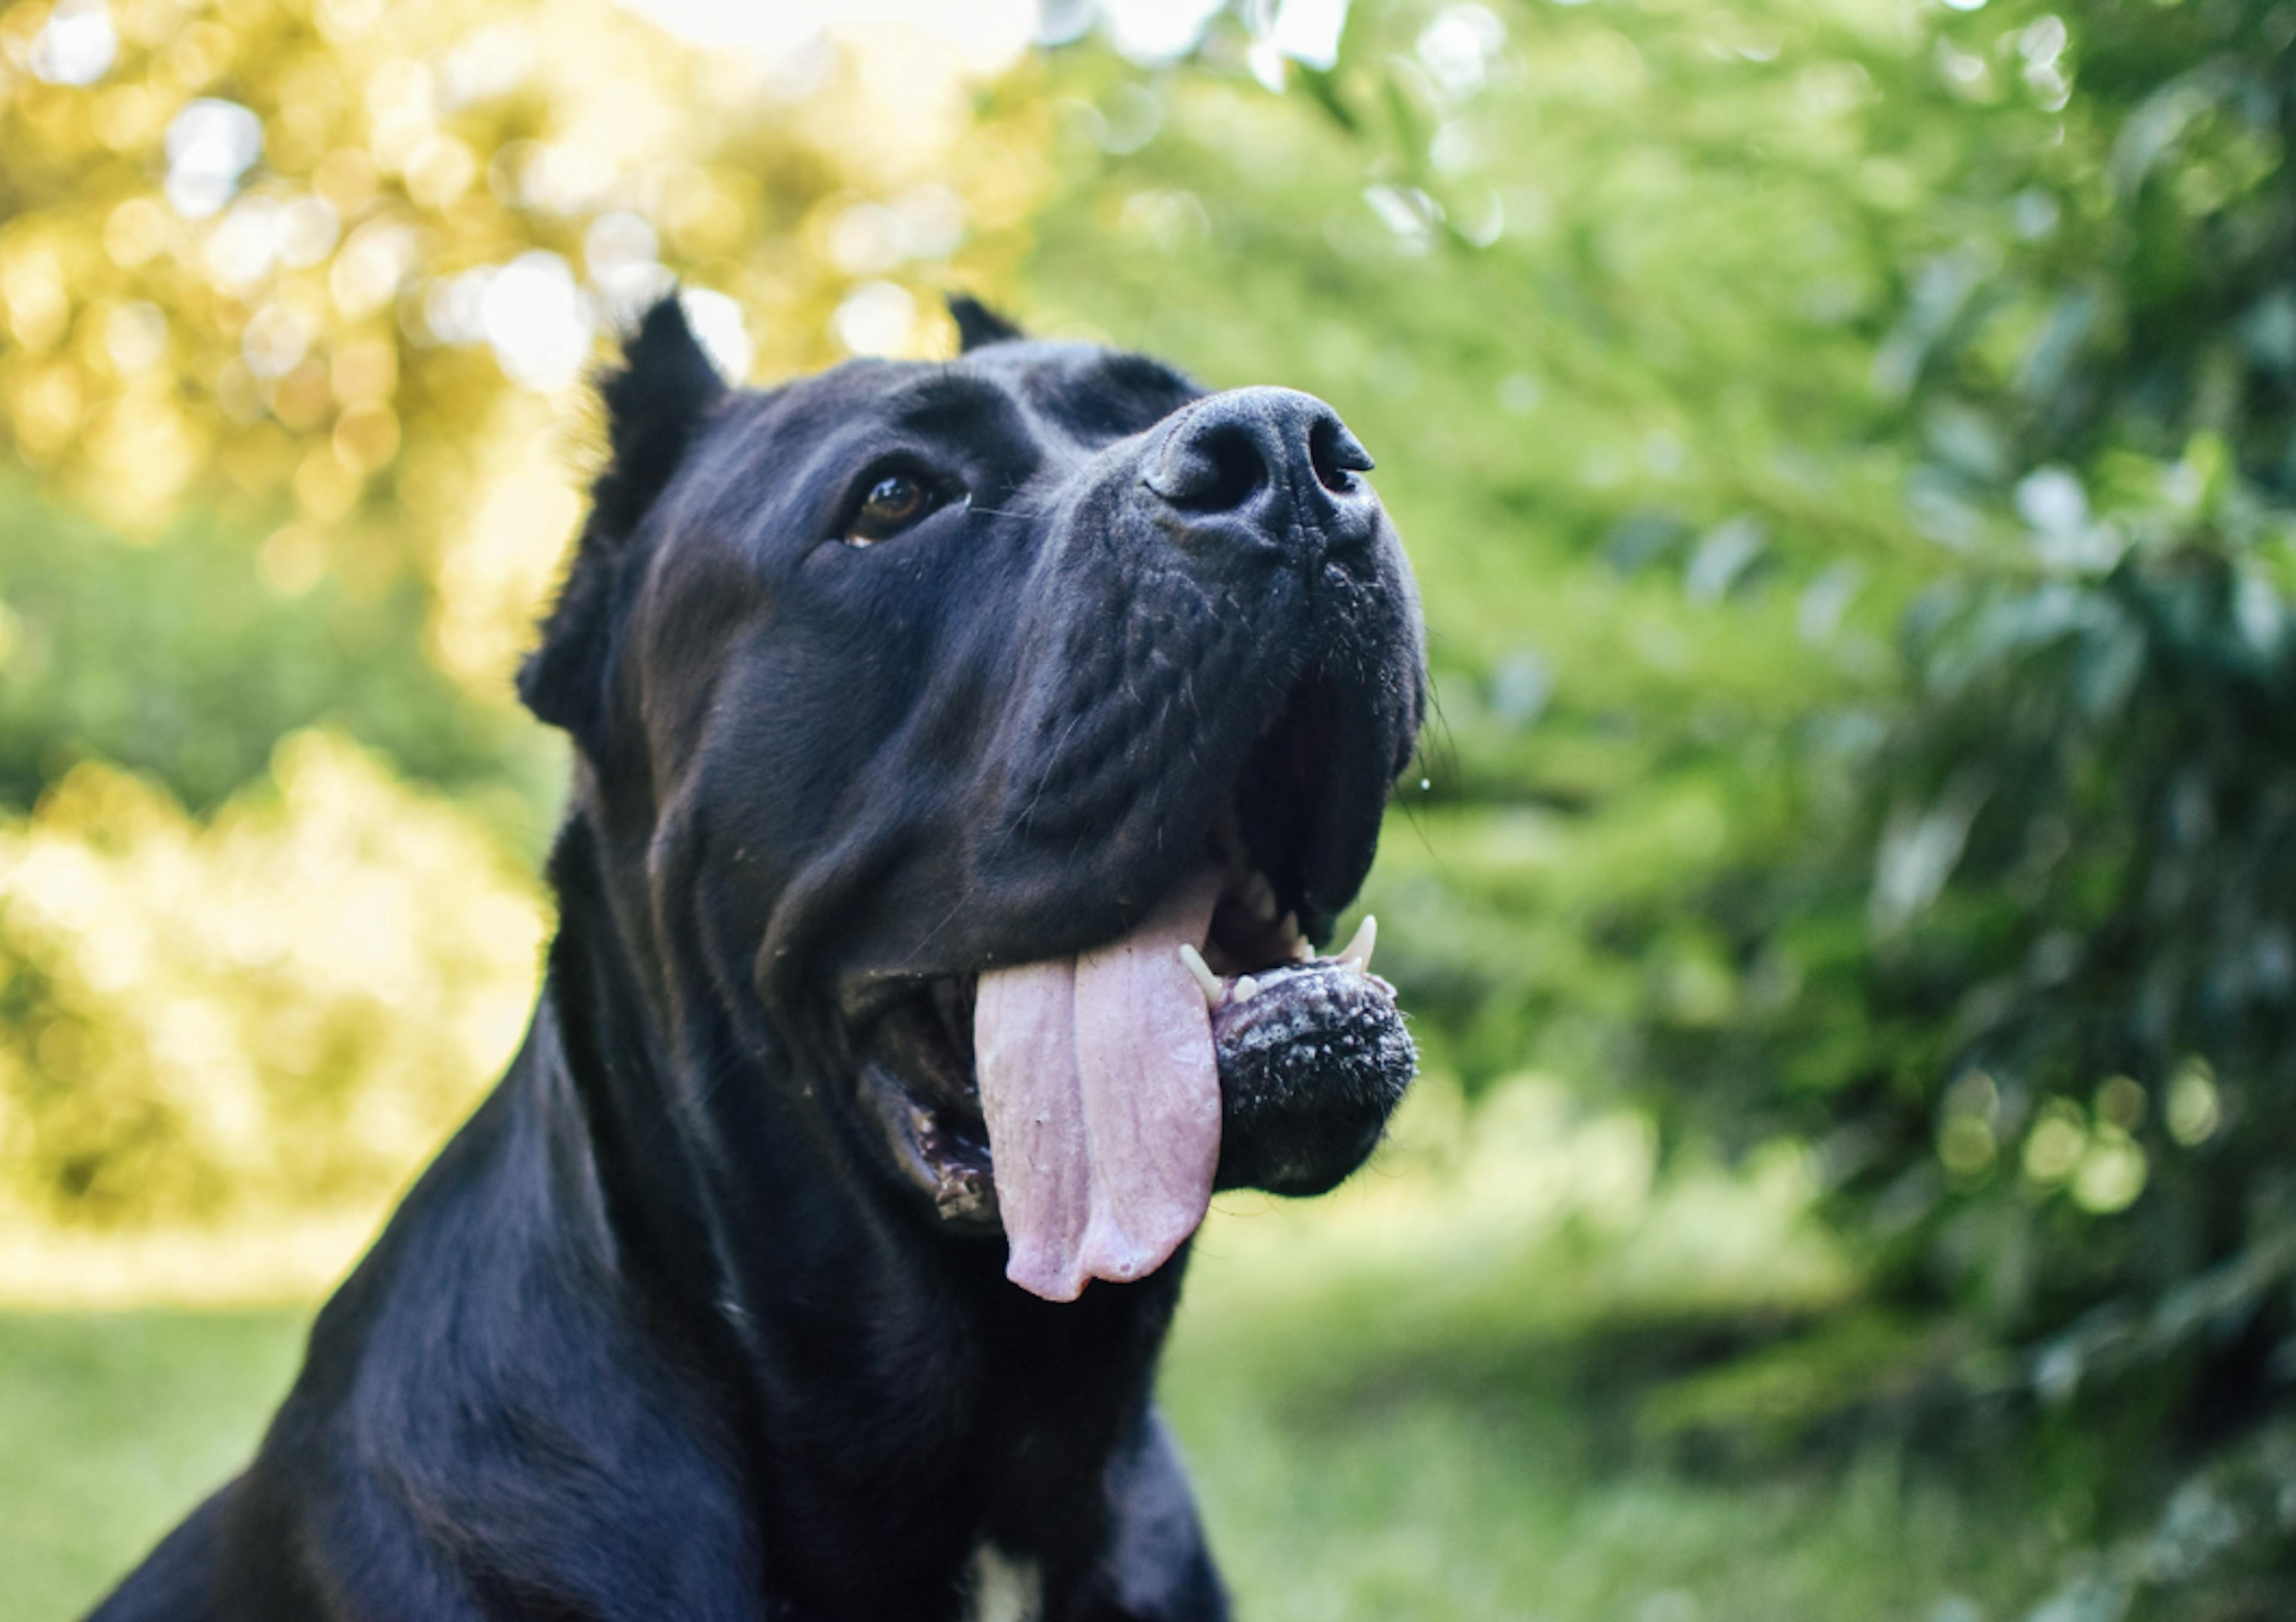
(977, 323)
(654, 401)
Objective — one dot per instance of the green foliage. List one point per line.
(2082, 878)
(172, 1046)
(173, 659)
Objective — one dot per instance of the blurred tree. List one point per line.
(327, 263)
(169, 659)
(171, 1045)
(2083, 883)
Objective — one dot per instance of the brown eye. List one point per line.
(893, 503)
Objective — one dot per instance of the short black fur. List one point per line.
(675, 1326)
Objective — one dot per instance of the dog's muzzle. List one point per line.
(1216, 678)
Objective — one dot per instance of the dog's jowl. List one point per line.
(972, 761)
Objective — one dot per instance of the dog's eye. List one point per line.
(892, 505)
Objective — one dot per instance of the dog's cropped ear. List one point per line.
(654, 402)
(977, 323)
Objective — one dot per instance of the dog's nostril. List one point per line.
(1336, 455)
(1210, 467)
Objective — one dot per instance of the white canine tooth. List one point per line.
(1246, 989)
(1203, 971)
(1300, 949)
(1357, 955)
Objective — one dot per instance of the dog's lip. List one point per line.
(944, 1151)
(1254, 927)
(1283, 876)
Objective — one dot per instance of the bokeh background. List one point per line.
(1848, 902)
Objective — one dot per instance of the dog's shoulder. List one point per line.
(477, 1418)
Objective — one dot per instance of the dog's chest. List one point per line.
(1004, 1587)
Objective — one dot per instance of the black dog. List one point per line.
(920, 712)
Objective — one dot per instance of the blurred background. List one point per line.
(1848, 902)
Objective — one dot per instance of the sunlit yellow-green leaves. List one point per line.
(280, 1008)
(336, 265)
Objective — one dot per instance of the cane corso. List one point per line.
(971, 759)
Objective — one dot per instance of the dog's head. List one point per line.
(896, 684)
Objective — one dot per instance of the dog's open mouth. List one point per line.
(1092, 1102)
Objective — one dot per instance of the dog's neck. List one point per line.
(884, 1388)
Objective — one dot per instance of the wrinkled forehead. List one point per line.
(1047, 393)
(779, 468)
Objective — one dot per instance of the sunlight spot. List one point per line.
(211, 144)
(537, 321)
(876, 318)
(1309, 31)
(722, 330)
(77, 45)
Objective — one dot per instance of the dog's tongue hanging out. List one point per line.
(1102, 1095)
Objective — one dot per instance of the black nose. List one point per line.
(1274, 463)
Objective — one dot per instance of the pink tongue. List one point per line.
(1103, 1101)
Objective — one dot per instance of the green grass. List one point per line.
(113, 1425)
(1468, 1387)
(1445, 1466)
(1483, 1487)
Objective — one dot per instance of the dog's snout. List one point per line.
(1278, 464)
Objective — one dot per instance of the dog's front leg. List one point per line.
(1157, 1568)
